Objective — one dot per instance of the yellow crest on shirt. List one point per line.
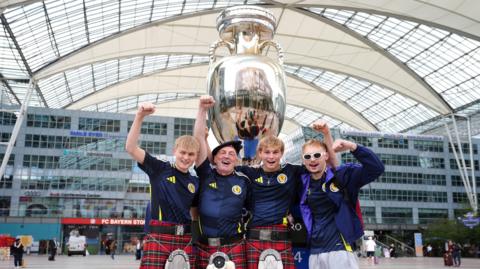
(333, 188)
(191, 187)
(282, 178)
(324, 187)
(237, 189)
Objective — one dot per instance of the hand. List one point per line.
(341, 145)
(321, 126)
(145, 109)
(206, 102)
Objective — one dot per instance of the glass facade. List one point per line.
(48, 121)
(101, 125)
(397, 215)
(425, 145)
(7, 119)
(457, 180)
(453, 164)
(4, 206)
(153, 128)
(363, 140)
(403, 195)
(429, 215)
(77, 166)
(465, 148)
(412, 178)
(393, 143)
(183, 127)
(368, 214)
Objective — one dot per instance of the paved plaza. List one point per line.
(128, 262)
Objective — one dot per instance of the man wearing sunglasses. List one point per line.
(274, 193)
(328, 200)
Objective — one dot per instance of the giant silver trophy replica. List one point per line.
(248, 87)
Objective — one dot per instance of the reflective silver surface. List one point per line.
(249, 88)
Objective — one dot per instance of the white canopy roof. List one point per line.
(370, 65)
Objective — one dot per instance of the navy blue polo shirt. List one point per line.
(272, 193)
(325, 236)
(172, 191)
(221, 199)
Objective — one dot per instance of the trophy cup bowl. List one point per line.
(248, 87)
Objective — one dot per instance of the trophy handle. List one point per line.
(277, 46)
(215, 45)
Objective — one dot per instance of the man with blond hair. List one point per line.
(275, 187)
(173, 190)
(328, 201)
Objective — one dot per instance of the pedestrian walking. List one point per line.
(52, 248)
(138, 250)
(456, 253)
(17, 252)
(113, 247)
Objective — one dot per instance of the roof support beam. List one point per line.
(7, 85)
(396, 15)
(380, 50)
(351, 109)
(24, 60)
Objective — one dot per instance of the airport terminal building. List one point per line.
(69, 170)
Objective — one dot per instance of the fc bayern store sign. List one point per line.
(103, 221)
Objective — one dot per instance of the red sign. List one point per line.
(97, 221)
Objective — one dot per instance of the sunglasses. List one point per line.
(314, 156)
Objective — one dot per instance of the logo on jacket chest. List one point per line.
(191, 188)
(236, 189)
(332, 187)
(282, 178)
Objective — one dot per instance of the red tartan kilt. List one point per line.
(255, 247)
(235, 251)
(155, 253)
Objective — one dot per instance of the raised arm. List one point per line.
(205, 103)
(131, 145)
(322, 127)
(371, 166)
(209, 151)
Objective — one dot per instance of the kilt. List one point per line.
(235, 251)
(255, 247)
(157, 247)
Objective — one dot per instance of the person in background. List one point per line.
(113, 248)
(370, 246)
(17, 252)
(429, 250)
(393, 252)
(456, 254)
(52, 248)
(138, 250)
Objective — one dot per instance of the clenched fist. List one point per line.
(206, 101)
(341, 145)
(145, 109)
(321, 126)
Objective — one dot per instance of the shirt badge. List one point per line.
(333, 188)
(191, 187)
(282, 178)
(324, 187)
(237, 189)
